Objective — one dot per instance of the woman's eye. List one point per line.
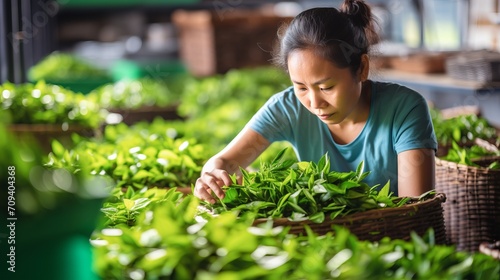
(326, 89)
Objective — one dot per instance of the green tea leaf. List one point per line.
(57, 148)
(141, 174)
(231, 195)
(317, 217)
(384, 192)
(278, 156)
(359, 170)
(129, 204)
(139, 203)
(296, 207)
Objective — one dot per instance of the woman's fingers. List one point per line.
(224, 176)
(239, 180)
(212, 182)
(202, 191)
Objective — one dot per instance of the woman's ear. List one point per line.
(364, 68)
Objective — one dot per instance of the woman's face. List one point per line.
(329, 92)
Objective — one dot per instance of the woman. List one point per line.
(334, 108)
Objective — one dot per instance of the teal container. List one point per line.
(156, 69)
(83, 86)
(55, 245)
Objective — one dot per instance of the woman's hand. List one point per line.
(212, 182)
(240, 153)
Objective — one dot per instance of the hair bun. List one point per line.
(350, 7)
(360, 14)
(358, 11)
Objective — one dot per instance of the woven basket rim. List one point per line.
(456, 165)
(370, 214)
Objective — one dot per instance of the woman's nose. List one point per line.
(315, 99)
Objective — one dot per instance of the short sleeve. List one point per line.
(272, 120)
(413, 127)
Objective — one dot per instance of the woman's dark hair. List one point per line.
(339, 35)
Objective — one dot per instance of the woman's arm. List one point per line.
(416, 172)
(241, 152)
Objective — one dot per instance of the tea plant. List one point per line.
(135, 156)
(59, 66)
(304, 190)
(123, 207)
(42, 103)
(133, 94)
(469, 155)
(170, 241)
(462, 129)
(35, 189)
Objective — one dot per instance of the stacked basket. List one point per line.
(214, 42)
(372, 225)
(472, 209)
(481, 65)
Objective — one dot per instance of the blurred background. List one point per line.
(133, 38)
(118, 101)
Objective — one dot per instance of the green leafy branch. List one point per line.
(304, 190)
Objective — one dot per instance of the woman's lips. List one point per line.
(325, 116)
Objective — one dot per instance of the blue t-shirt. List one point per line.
(398, 121)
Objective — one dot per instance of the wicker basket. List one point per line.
(480, 65)
(472, 209)
(214, 42)
(490, 144)
(373, 225)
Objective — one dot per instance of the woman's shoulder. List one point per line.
(393, 92)
(286, 96)
(287, 92)
(392, 88)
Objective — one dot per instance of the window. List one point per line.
(442, 23)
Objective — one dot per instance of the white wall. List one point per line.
(482, 33)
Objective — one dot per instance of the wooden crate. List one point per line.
(425, 62)
(214, 42)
